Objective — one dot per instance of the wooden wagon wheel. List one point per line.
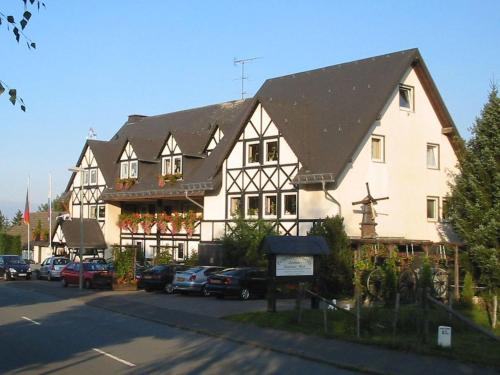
(440, 283)
(407, 286)
(375, 284)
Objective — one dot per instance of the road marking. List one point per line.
(31, 320)
(113, 357)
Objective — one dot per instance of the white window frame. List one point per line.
(229, 206)
(266, 142)
(164, 170)
(434, 146)
(264, 205)
(93, 176)
(93, 211)
(99, 207)
(136, 174)
(381, 140)
(411, 97)
(174, 158)
(435, 217)
(247, 161)
(86, 177)
(283, 209)
(247, 206)
(124, 169)
(445, 202)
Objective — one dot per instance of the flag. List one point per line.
(26, 216)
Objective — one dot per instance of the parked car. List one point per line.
(94, 275)
(51, 268)
(160, 277)
(242, 282)
(194, 279)
(14, 267)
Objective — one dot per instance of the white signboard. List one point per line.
(444, 336)
(294, 265)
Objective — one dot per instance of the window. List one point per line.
(180, 251)
(93, 212)
(270, 205)
(134, 166)
(102, 212)
(253, 153)
(432, 208)
(234, 206)
(406, 97)
(290, 204)
(86, 177)
(124, 169)
(271, 150)
(166, 166)
(432, 156)
(252, 205)
(445, 209)
(177, 164)
(378, 148)
(93, 176)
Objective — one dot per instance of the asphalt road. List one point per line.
(44, 334)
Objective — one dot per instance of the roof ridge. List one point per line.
(343, 64)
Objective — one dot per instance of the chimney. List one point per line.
(135, 118)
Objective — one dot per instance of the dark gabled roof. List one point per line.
(324, 114)
(22, 229)
(93, 237)
(295, 245)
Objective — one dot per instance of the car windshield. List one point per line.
(61, 261)
(157, 269)
(95, 267)
(14, 260)
(191, 270)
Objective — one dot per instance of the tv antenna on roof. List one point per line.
(92, 134)
(243, 77)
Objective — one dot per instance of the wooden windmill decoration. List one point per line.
(368, 222)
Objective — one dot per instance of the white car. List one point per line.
(51, 268)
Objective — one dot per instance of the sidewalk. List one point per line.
(346, 355)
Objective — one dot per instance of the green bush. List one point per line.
(123, 258)
(336, 270)
(242, 243)
(10, 244)
(391, 281)
(468, 291)
(192, 260)
(163, 257)
(425, 279)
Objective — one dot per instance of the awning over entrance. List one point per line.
(93, 238)
(291, 245)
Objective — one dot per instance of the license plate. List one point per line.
(147, 277)
(22, 274)
(180, 279)
(215, 282)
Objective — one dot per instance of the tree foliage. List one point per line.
(336, 269)
(241, 245)
(17, 26)
(4, 222)
(58, 205)
(17, 219)
(474, 203)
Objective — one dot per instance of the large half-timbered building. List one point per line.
(301, 149)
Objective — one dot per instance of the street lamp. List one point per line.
(81, 170)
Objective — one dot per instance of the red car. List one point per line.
(94, 274)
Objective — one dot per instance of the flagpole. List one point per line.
(28, 204)
(50, 212)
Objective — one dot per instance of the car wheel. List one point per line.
(64, 283)
(244, 294)
(169, 288)
(87, 284)
(204, 291)
(49, 277)
(28, 277)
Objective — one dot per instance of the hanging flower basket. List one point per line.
(161, 181)
(119, 185)
(190, 222)
(177, 221)
(162, 221)
(147, 222)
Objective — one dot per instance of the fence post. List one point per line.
(450, 298)
(396, 313)
(358, 312)
(298, 302)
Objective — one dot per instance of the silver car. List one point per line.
(51, 268)
(194, 279)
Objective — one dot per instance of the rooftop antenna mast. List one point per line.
(92, 134)
(243, 77)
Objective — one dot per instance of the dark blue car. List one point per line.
(14, 267)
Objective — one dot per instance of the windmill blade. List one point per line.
(358, 202)
(368, 189)
(380, 199)
(374, 213)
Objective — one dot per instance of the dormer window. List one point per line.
(406, 97)
(124, 169)
(171, 159)
(166, 165)
(134, 169)
(177, 164)
(129, 165)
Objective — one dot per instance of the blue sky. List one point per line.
(99, 61)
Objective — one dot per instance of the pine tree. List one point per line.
(4, 222)
(474, 203)
(17, 219)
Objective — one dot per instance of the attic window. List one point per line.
(253, 153)
(177, 164)
(406, 97)
(271, 150)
